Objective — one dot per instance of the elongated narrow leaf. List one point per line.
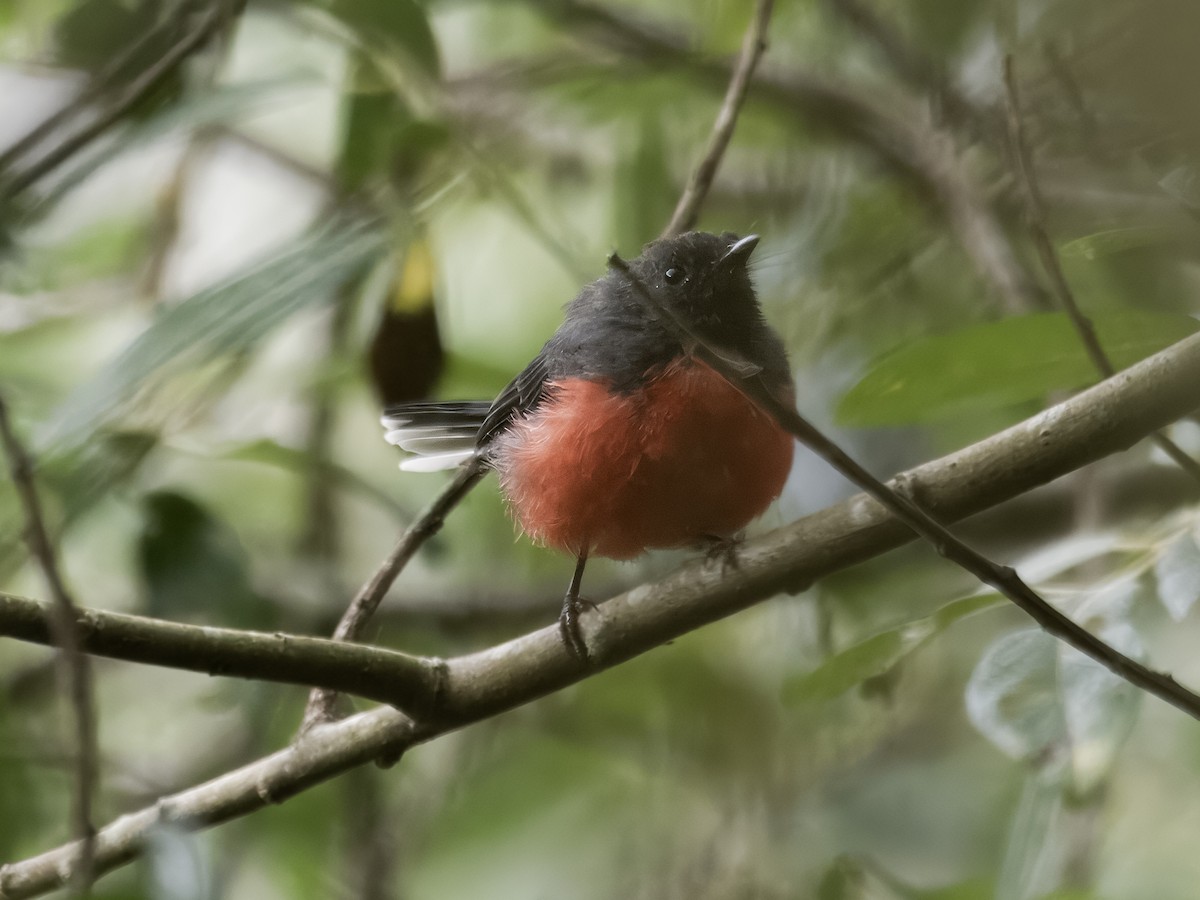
(1178, 574)
(229, 317)
(224, 105)
(1035, 838)
(390, 26)
(999, 364)
(275, 454)
(1119, 240)
(878, 653)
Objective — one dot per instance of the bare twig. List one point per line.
(754, 44)
(321, 703)
(320, 537)
(1062, 74)
(75, 666)
(1035, 214)
(95, 88)
(136, 90)
(1103, 420)
(900, 503)
(913, 67)
(319, 178)
(556, 241)
(387, 676)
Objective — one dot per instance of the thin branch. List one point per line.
(132, 94)
(913, 67)
(320, 179)
(1061, 72)
(95, 88)
(554, 239)
(1103, 420)
(900, 503)
(59, 621)
(754, 44)
(321, 703)
(387, 676)
(1035, 214)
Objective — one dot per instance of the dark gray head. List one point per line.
(611, 333)
(704, 279)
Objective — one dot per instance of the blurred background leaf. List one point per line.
(999, 364)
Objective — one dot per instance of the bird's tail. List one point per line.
(439, 435)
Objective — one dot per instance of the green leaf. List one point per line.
(93, 32)
(272, 453)
(223, 105)
(381, 136)
(850, 879)
(78, 482)
(1039, 700)
(103, 250)
(1183, 184)
(1012, 695)
(967, 890)
(229, 317)
(1178, 574)
(194, 566)
(1119, 240)
(370, 121)
(879, 653)
(1035, 835)
(397, 25)
(85, 477)
(999, 364)
(644, 198)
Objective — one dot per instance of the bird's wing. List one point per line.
(441, 435)
(522, 396)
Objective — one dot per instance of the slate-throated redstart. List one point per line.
(614, 440)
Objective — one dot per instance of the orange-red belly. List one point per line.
(611, 474)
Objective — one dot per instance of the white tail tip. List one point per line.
(437, 462)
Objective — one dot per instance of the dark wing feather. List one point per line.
(522, 395)
(452, 414)
(441, 434)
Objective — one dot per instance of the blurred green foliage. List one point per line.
(187, 304)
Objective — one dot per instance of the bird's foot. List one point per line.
(723, 548)
(568, 626)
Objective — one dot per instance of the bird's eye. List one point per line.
(674, 275)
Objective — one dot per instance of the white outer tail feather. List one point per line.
(435, 449)
(437, 462)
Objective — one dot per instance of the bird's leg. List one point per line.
(568, 620)
(722, 547)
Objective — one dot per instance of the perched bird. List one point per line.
(615, 439)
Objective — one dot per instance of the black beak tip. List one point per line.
(741, 249)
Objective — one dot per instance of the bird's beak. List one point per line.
(741, 249)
